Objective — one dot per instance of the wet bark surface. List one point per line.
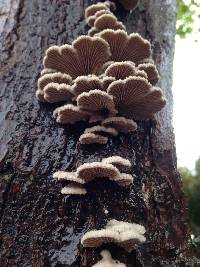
(40, 227)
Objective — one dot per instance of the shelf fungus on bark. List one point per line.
(101, 129)
(91, 138)
(91, 19)
(54, 87)
(121, 70)
(126, 47)
(108, 21)
(128, 4)
(151, 71)
(92, 9)
(69, 114)
(107, 261)
(78, 59)
(126, 235)
(67, 176)
(135, 98)
(73, 189)
(97, 101)
(120, 163)
(121, 124)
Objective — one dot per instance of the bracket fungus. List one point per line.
(107, 261)
(69, 114)
(151, 71)
(73, 189)
(126, 235)
(126, 47)
(108, 21)
(67, 176)
(85, 56)
(121, 124)
(92, 9)
(91, 138)
(120, 163)
(121, 70)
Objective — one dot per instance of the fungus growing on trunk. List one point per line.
(126, 47)
(135, 98)
(121, 124)
(107, 261)
(91, 19)
(123, 234)
(121, 70)
(151, 71)
(91, 138)
(108, 21)
(90, 171)
(69, 114)
(93, 9)
(128, 4)
(86, 83)
(101, 129)
(125, 179)
(85, 56)
(120, 163)
(54, 92)
(97, 101)
(67, 176)
(73, 189)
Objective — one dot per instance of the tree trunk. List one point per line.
(38, 226)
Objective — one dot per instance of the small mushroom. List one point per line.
(91, 138)
(101, 129)
(54, 92)
(91, 19)
(90, 171)
(141, 73)
(107, 261)
(124, 234)
(73, 189)
(85, 56)
(69, 114)
(125, 180)
(129, 4)
(126, 47)
(108, 21)
(67, 176)
(96, 101)
(121, 70)
(121, 124)
(120, 163)
(92, 9)
(152, 72)
(86, 83)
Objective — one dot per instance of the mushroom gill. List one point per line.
(91, 138)
(121, 70)
(121, 124)
(151, 71)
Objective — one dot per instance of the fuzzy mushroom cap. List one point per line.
(120, 163)
(73, 189)
(126, 47)
(123, 234)
(107, 261)
(92, 9)
(90, 171)
(108, 21)
(141, 73)
(91, 138)
(101, 129)
(96, 100)
(85, 56)
(91, 20)
(121, 124)
(69, 114)
(67, 176)
(125, 180)
(135, 98)
(121, 70)
(47, 71)
(106, 81)
(93, 31)
(129, 4)
(54, 92)
(152, 72)
(86, 83)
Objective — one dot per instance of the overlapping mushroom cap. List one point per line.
(135, 98)
(126, 235)
(107, 261)
(121, 163)
(121, 124)
(126, 47)
(85, 56)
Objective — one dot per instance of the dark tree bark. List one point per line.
(38, 226)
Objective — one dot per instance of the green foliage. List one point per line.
(191, 186)
(188, 17)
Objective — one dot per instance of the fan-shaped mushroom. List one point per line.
(101, 129)
(126, 47)
(85, 56)
(67, 176)
(120, 163)
(121, 70)
(121, 124)
(73, 189)
(69, 114)
(128, 236)
(135, 98)
(108, 21)
(152, 72)
(91, 138)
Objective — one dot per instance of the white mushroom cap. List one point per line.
(67, 176)
(119, 162)
(91, 138)
(73, 189)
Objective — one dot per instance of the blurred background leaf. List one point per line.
(188, 17)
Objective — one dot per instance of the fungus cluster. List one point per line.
(107, 261)
(114, 168)
(106, 78)
(124, 234)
